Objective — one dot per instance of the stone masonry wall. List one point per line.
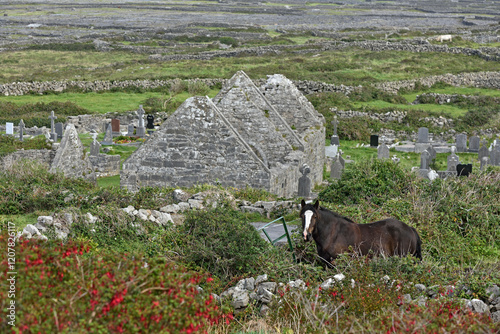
(44, 157)
(177, 156)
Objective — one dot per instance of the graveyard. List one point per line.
(146, 146)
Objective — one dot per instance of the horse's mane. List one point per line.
(335, 214)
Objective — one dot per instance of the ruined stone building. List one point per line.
(245, 136)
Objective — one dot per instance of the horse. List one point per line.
(335, 234)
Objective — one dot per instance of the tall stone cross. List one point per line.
(140, 112)
(335, 123)
(21, 130)
(334, 140)
(53, 134)
(140, 131)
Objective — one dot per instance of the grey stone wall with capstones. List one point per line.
(239, 139)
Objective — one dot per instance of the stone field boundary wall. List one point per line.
(479, 79)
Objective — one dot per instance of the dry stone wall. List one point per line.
(479, 79)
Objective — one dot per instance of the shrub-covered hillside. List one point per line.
(114, 276)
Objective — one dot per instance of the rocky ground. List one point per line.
(37, 21)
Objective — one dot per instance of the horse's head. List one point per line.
(309, 214)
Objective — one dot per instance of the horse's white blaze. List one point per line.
(307, 216)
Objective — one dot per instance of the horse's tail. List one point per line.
(418, 249)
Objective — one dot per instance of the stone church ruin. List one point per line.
(245, 136)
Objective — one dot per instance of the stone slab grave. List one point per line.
(239, 139)
(461, 143)
(59, 130)
(9, 128)
(115, 127)
(383, 152)
(483, 151)
(71, 158)
(422, 140)
(108, 136)
(304, 182)
(474, 142)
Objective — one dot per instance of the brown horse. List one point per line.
(335, 234)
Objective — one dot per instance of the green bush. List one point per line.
(38, 114)
(9, 144)
(375, 181)
(217, 241)
(33, 188)
(198, 88)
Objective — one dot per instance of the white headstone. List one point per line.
(9, 129)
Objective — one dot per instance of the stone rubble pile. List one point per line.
(59, 224)
(261, 293)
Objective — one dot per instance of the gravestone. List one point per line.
(422, 140)
(474, 144)
(432, 152)
(331, 151)
(108, 136)
(485, 161)
(21, 130)
(334, 140)
(9, 128)
(340, 158)
(423, 135)
(461, 142)
(383, 151)
(53, 134)
(130, 130)
(483, 150)
(59, 130)
(337, 169)
(373, 141)
(464, 169)
(140, 131)
(115, 127)
(95, 146)
(425, 160)
(495, 154)
(453, 160)
(304, 182)
(150, 122)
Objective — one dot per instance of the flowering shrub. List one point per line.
(126, 139)
(68, 288)
(373, 309)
